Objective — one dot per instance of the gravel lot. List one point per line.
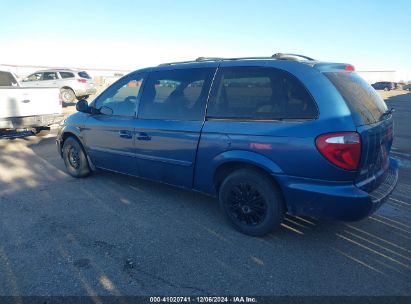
(114, 235)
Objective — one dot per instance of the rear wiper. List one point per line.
(387, 113)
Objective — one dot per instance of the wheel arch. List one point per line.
(70, 131)
(230, 161)
(75, 133)
(67, 88)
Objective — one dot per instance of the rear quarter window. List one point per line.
(259, 93)
(367, 107)
(84, 74)
(65, 75)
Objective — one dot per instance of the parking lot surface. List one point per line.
(110, 234)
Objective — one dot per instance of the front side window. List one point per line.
(50, 76)
(122, 96)
(33, 77)
(176, 95)
(259, 93)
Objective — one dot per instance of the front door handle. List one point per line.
(125, 134)
(143, 136)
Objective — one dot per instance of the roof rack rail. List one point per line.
(199, 59)
(176, 62)
(278, 56)
(289, 56)
(209, 59)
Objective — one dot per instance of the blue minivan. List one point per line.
(266, 136)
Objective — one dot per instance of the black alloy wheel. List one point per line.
(246, 204)
(251, 202)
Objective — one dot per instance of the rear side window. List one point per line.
(259, 93)
(49, 76)
(84, 74)
(364, 102)
(6, 79)
(176, 95)
(66, 75)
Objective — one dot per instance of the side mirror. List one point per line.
(82, 106)
(106, 111)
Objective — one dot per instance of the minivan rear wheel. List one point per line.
(251, 202)
(75, 158)
(67, 95)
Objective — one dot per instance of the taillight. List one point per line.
(349, 68)
(342, 149)
(82, 80)
(60, 99)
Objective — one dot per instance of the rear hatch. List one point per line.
(374, 124)
(86, 78)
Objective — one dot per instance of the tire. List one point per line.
(386, 89)
(75, 158)
(67, 95)
(251, 202)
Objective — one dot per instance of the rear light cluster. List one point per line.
(82, 80)
(342, 149)
(349, 68)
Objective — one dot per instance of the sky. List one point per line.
(131, 34)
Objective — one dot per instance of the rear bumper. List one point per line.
(30, 121)
(335, 200)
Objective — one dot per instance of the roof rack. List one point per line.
(278, 56)
(289, 56)
(176, 62)
(209, 59)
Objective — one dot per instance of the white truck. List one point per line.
(24, 108)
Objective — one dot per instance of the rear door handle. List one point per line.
(125, 134)
(143, 136)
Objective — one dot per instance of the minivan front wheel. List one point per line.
(75, 158)
(67, 95)
(251, 202)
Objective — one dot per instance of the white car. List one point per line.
(73, 84)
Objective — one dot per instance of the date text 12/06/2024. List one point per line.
(203, 300)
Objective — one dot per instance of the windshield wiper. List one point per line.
(387, 113)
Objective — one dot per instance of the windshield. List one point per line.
(364, 102)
